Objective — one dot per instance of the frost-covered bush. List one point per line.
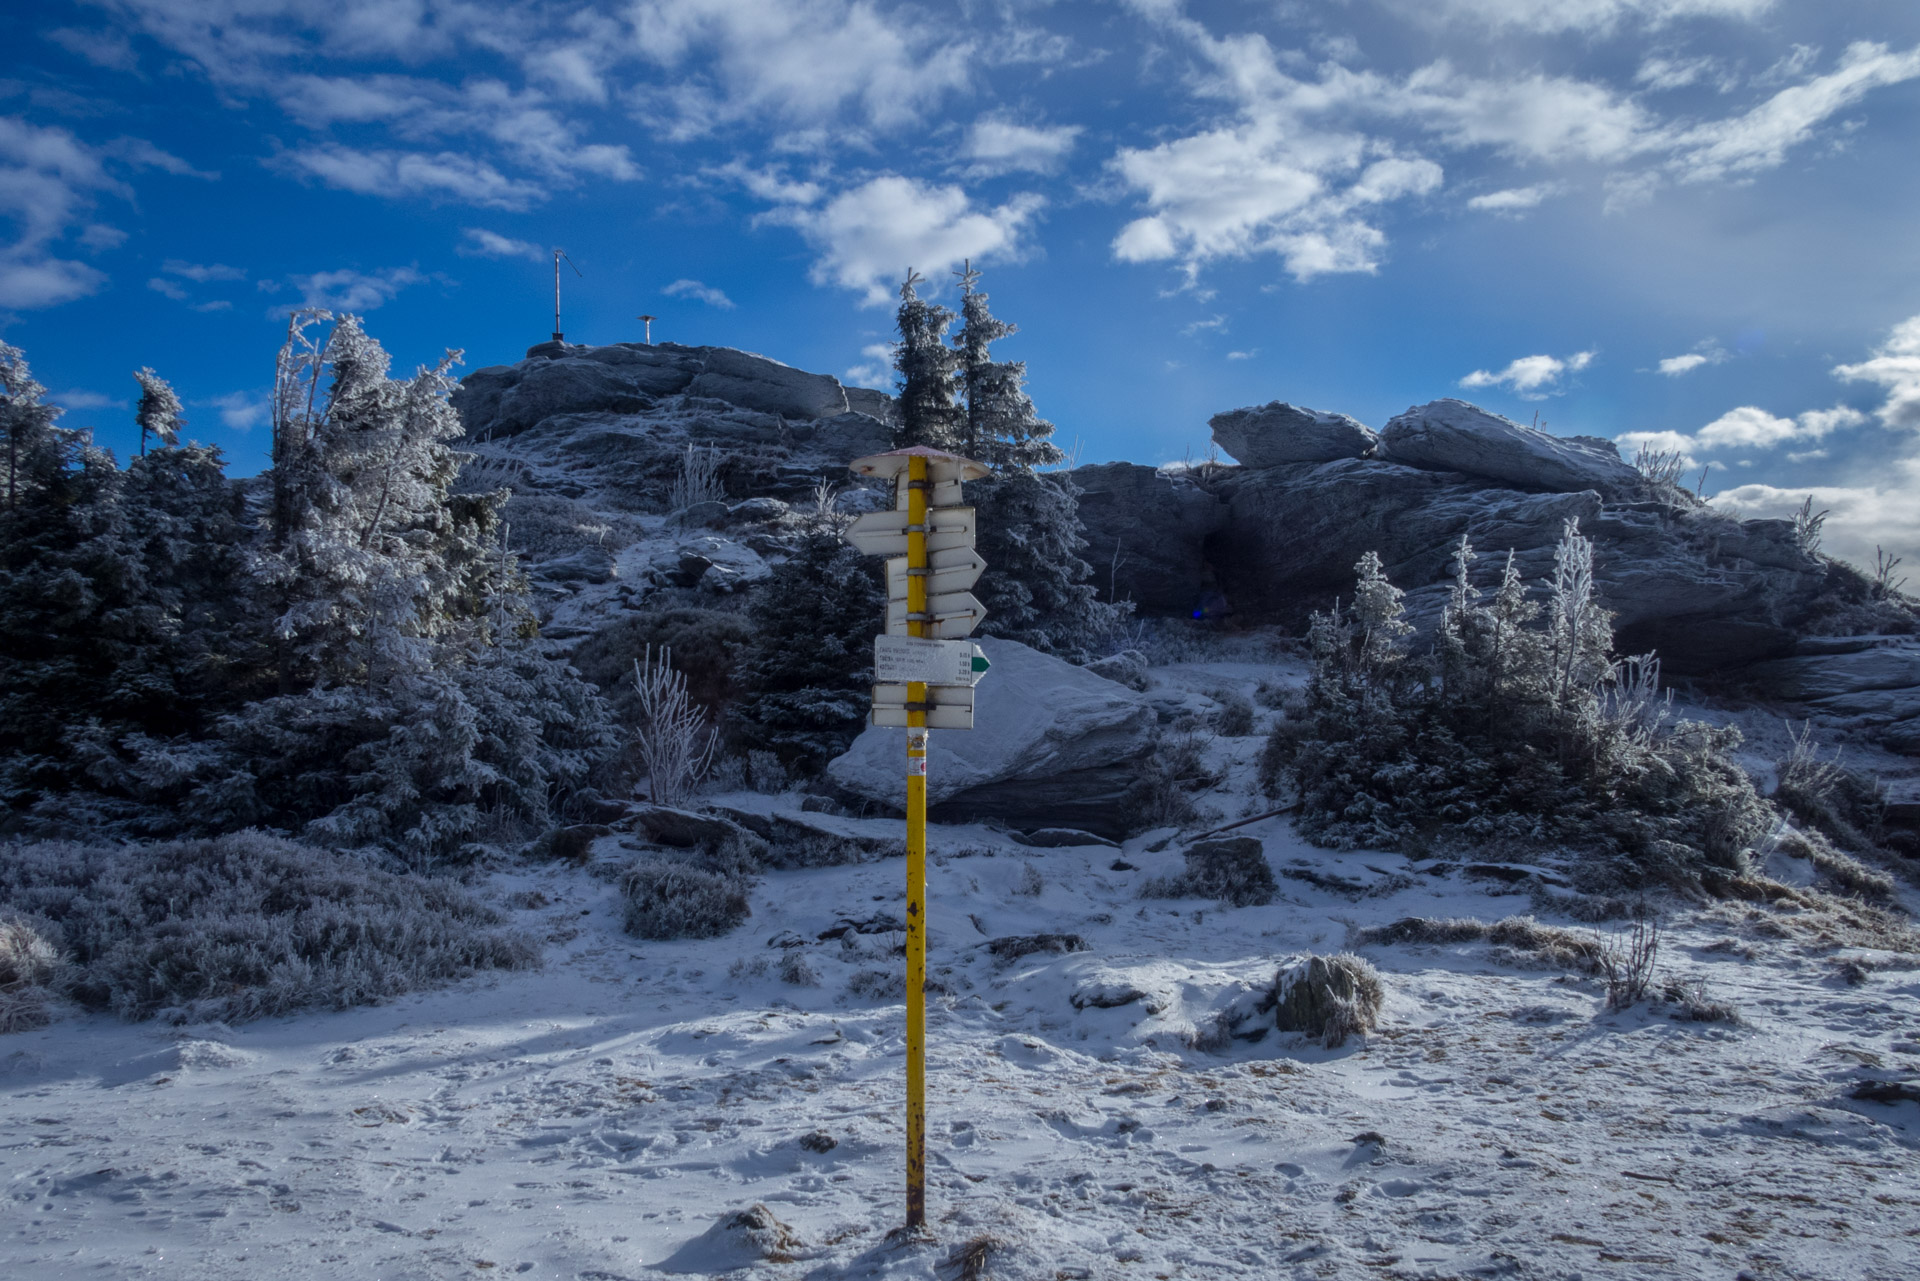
(706, 644)
(668, 899)
(1521, 936)
(1520, 725)
(1328, 998)
(1233, 870)
(878, 985)
(248, 925)
(28, 962)
(796, 969)
(1159, 790)
(1234, 719)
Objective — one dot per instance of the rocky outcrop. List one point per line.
(1050, 749)
(1147, 536)
(1454, 436)
(1871, 681)
(628, 378)
(1276, 433)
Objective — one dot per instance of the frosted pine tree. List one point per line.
(37, 451)
(1037, 588)
(926, 368)
(158, 412)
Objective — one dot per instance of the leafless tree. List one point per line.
(699, 479)
(676, 741)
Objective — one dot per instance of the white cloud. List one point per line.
(478, 242)
(996, 145)
(1217, 324)
(354, 291)
(86, 400)
(1676, 73)
(1750, 427)
(1895, 366)
(48, 182)
(1705, 354)
(875, 371)
(168, 288)
(1760, 138)
(1547, 16)
(796, 64)
(446, 175)
(1514, 199)
(705, 293)
(1532, 377)
(202, 272)
(1860, 518)
(1243, 355)
(869, 236)
(109, 49)
(1535, 117)
(240, 410)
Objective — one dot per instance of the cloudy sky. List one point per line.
(1688, 223)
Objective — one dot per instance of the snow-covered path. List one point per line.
(594, 1119)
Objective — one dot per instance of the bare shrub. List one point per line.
(1692, 1004)
(1328, 998)
(1234, 719)
(796, 969)
(747, 967)
(766, 772)
(1661, 466)
(1627, 964)
(698, 480)
(968, 1260)
(668, 899)
(1521, 936)
(676, 739)
(878, 985)
(1162, 778)
(1837, 870)
(28, 962)
(1031, 883)
(1807, 524)
(1885, 585)
(248, 925)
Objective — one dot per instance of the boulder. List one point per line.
(1051, 838)
(1275, 433)
(1880, 664)
(688, 829)
(874, 404)
(1452, 435)
(1147, 536)
(754, 382)
(1327, 998)
(1128, 667)
(1051, 745)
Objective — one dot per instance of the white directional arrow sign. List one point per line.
(949, 617)
(885, 533)
(899, 659)
(954, 570)
(946, 706)
(944, 493)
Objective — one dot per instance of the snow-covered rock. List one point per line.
(1275, 433)
(1452, 435)
(755, 382)
(1048, 748)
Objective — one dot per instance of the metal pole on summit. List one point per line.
(558, 254)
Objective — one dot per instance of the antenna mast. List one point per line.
(558, 254)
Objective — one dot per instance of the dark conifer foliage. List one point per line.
(808, 672)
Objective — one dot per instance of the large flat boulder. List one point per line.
(755, 382)
(1049, 747)
(1275, 433)
(1452, 435)
(1147, 535)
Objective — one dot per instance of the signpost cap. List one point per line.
(890, 464)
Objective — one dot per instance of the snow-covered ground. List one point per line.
(597, 1119)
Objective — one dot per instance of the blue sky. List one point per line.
(1688, 222)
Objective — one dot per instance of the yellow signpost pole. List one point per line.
(917, 625)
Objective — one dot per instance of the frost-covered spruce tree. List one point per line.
(120, 601)
(1510, 730)
(415, 711)
(808, 673)
(926, 367)
(1037, 588)
(158, 413)
(38, 452)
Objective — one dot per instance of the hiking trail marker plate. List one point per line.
(898, 660)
